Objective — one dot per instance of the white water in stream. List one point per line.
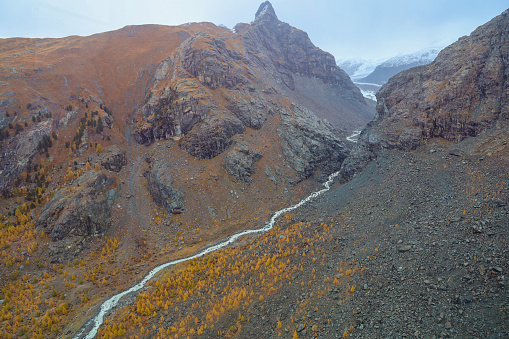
(113, 301)
(354, 137)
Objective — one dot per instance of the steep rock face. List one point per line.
(212, 137)
(310, 144)
(239, 162)
(290, 51)
(169, 114)
(213, 64)
(302, 71)
(160, 183)
(81, 210)
(18, 150)
(186, 79)
(111, 158)
(217, 85)
(463, 93)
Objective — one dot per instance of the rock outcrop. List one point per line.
(161, 187)
(212, 137)
(111, 158)
(462, 94)
(83, 209)
(310, 144)
(19, 150)
(253, 114)
(215, 86)
(239, 162)
(169, 115)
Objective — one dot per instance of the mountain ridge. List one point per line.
(406, 122)
(363, 71)
(214, 134)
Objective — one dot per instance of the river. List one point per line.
(109, 304)
(354, 136)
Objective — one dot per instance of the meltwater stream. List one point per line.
(113, 301)
(354, 137)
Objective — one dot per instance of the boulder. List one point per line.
(212, 137)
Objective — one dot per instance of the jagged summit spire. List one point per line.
(265, 12)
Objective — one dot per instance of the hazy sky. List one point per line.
(369, 29)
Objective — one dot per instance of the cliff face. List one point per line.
(463, 93)
(216, 86)
(303, 72)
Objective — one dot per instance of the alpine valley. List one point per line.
(199, 182)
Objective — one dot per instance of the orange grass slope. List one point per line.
(113, 66)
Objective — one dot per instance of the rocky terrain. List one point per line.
(208, 91)
(79, 211)
(430, 229)
(214, 87)
(463, 93)
(211, 135)
(413, 246)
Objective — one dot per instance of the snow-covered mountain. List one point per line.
(423, 57)
(370, 75)
(358, 68)
(384, 71)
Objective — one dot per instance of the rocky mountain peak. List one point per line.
(215, 86)
(462, 94)
(265, 13)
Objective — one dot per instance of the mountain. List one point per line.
(358, 68)
(413, 245)
(369, 75)
(125, 69)
(216, 72)
(170, 182)
(460, 95)
(384, 71)
(124, 149)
